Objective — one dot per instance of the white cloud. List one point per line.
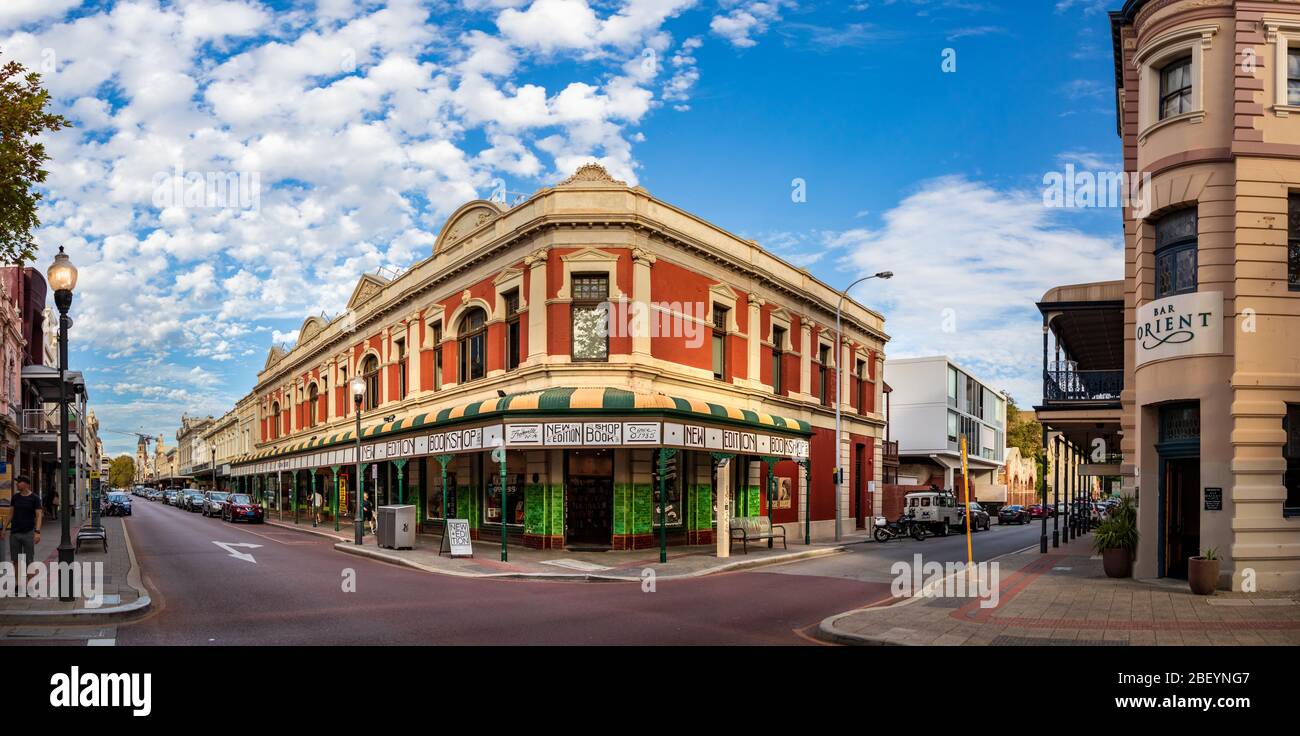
(745, 19)
(986, 255)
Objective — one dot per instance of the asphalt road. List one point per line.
(871, 562)
(293, 594)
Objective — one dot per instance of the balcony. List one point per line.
(1067, 386)
(889, 453)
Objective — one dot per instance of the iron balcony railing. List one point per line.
(1082, 386)
(46, 421)
(889, 452)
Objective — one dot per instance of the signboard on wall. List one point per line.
(1179, 326)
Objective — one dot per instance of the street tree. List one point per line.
(121, 473)
(23, 117)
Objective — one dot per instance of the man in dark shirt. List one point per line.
(25, 521)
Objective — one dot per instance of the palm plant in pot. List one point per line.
(1203, 572)
(1116, 538)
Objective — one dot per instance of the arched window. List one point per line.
(370, 372)
(313, 396)
(275, 420)
(1176, 253)
(473, 345)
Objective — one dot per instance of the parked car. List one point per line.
(193, 500)
(979, 519)
(1013, 515)
(241, 507)
(212, 502)
(1038, 511)
(116, 503)
(169, 496)
(153, 494)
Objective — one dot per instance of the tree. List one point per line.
(121, 473)
(22, 118)
(1026, 434)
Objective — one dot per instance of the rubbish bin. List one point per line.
(396, 527)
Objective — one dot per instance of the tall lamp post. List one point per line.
(839, 377)
(359, 391)
(63, 278)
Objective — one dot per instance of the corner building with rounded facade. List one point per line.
(603, 338)
(1209, 100)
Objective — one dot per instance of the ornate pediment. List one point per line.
(470, 217)
(273, 357)
(311, 327)
(367, 288)
(592, 173)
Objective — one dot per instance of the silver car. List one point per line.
(212, 501)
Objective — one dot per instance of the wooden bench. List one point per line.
(755, 528)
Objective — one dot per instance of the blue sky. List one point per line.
(366, 123)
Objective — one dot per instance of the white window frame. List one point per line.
(1282, 34)
(1158, 53)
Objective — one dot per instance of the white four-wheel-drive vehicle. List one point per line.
(936, 511)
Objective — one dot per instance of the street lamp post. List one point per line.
(839, 377)
(358, 391)
(63, 278)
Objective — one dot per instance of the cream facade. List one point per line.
(1210, 404)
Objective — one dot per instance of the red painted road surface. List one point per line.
(294, 594)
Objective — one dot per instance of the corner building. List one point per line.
(1209, 96)
(603, 338)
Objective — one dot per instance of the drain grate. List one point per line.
(1004, 640)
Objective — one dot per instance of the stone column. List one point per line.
(755, 343)
(805, 356)
(413, 354)
(535, 262)
(642, 260)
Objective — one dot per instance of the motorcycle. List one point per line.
(906, 526)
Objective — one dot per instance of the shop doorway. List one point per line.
(1182, 512)
(589, 499)
(1179, 451)
(859, 486)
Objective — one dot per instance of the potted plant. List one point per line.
(1203, 572)
(1116, 538)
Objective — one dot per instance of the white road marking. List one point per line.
(230, 547)
(101, 642)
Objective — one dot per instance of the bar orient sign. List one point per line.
(1182, 325)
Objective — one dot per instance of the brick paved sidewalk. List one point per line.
(1064, 598)
(123, 592)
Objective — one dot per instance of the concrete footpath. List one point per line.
(123, 594)
(1064, 598)
(567, 565)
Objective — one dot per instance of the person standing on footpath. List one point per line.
(25, 522)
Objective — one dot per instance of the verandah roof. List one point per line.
(551, 401)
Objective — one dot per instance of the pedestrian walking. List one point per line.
(317, 501)
(25, 521)
(368, 513)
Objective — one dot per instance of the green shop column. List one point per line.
(401, 480)
(807, 500)
(335, 485)
(315, 512)
(770, 462)
(293, 486)
(665, 454)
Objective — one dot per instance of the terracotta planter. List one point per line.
(1117, 563)
(1202, 575)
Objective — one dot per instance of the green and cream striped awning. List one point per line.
(549, 402)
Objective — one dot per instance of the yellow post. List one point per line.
(965, 485)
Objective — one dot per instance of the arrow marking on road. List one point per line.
(230, 547)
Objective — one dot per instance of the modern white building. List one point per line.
(933, 404)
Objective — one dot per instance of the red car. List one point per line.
(241, 507)
(1038, 511)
